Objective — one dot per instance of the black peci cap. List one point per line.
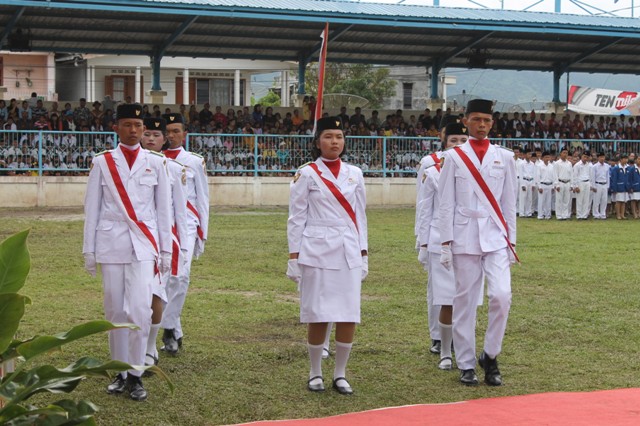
(173, 118)
(328, 123)
(455, 129)
(448, 119)
(480, 105)
(156, 123)
(129, 111)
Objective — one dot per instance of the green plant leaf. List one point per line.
(17, 415)
(42, 344)
(14, 262)
(11, 312)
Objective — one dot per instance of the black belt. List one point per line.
(527, 179)
(546, 183)
(601, 183)
(585, 180)
(564, 181)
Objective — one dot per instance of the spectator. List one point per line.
(257, 117)
(81, 113)
(33, 100)
(206, 115)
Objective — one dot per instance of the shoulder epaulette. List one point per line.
(159, 154)
(197, 155)
(102, 152)
(305, 164)
(177, 162)
(430, 166)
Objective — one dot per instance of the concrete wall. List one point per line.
(63, 191)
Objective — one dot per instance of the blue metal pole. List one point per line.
(302, 67)
(255, 155)
(436, 2)
(435, 71)
(558, 6)
(556, 85)
(40, 153)
(155, 65)
(384, 156)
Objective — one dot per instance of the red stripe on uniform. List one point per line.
(126, 201)
(175, 251)
(195, 212)
(336, 193)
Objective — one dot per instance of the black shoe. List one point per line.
(468, 377)
(319, 387)
(170, 342)
(180, 342)
(135, 388)
(118, 385)
(435, 346)
(492, 375)
(344, 388)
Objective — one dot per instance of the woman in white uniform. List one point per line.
(443, 281)
(154, 139)
(327, 234)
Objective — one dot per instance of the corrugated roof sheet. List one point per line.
(412, 12)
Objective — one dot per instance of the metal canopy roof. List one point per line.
(359, 32)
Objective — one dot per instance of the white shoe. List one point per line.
(446, 363)
(325, 353)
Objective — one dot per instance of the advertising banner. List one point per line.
(586, 100)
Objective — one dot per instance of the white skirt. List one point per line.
(620, 197)
(330, 295)
(158, 288)
(443, 282)
(635, 196)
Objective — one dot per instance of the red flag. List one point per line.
(321, 63)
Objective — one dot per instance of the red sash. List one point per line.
(487, 193)
(126, 201)
(195, 212)
(337, 194)
(436, 161)
(175, 251)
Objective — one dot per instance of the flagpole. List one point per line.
(321, 65)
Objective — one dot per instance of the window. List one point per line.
(202, 91)
(119, 88)
(407, 92)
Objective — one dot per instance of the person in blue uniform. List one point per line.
(620, 186)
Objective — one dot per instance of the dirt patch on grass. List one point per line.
(54, 214)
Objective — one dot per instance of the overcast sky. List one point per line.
(620, 8)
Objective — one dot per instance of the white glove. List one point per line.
(90, 263)
(423, 257)
(445, 257)
(164, 264)
(417, 244)
(293, 271)
(512, 256)
(365, 267)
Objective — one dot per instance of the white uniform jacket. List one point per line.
(428, 229)
(426, 162)
(178, 179)
(197, 190)
(463, 219)
(316, 229)
(106, 232)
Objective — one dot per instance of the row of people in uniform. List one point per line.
(146, 218)
(554, 184)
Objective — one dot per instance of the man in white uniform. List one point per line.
(477, 216)
(600, 187)
(197, 226)
(581, 182)
(527, 174)
(544, 180)
(563, 171)
(127, 230)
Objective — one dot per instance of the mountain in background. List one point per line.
(519, 87)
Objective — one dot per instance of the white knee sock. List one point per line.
(343, 350)
(153, 336)
(446, 335)
(327, 338)
(315, 358)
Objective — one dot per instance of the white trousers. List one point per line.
(544, 201)
(469, 270)
(582, 200)
(127, 298)
(177, 288)
(599, 209)
(433, 311)
(525, 199)
(563, 201)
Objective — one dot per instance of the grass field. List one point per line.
(573, 324)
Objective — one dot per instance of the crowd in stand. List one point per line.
(240, 141)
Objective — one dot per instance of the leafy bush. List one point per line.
(18, 386)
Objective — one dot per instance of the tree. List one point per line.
(270, 99)
(372, 83)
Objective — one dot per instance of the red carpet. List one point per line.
(613, 407)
